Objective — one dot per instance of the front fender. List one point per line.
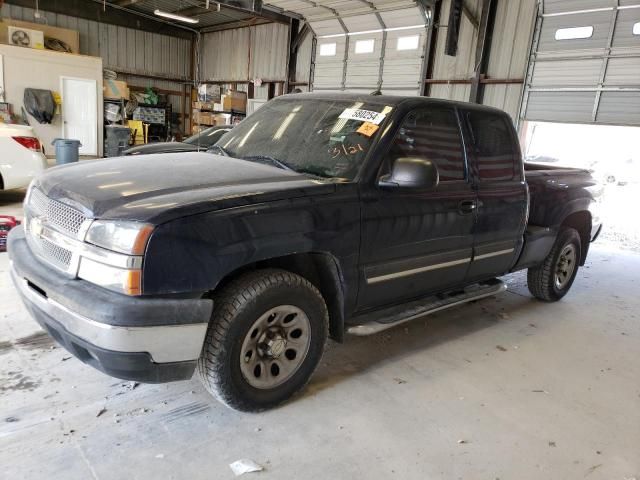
(194, 254)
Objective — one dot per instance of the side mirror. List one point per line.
(411, 172)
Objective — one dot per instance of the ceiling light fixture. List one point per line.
(174, 16)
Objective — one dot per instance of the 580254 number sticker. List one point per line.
(363, 115)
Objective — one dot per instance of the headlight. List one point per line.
(118, 266)
(119, 236)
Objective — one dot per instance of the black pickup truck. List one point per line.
(317, 216)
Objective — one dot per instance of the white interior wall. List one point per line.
(30, 68)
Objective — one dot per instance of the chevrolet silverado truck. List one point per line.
(316, 217)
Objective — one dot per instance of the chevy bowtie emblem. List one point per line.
(36, 226)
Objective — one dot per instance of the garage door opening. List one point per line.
(611, 153)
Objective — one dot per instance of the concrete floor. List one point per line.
(505, 388)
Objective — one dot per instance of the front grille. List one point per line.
(62, 218)
(59, 256)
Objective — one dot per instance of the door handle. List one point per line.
(466, 207)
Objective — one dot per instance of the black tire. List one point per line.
(236, 309)
(541, 280)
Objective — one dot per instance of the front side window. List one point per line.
(432, 134)
(493, 146)
(324, 138)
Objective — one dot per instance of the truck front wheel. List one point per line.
(551, 280)
(265, 339)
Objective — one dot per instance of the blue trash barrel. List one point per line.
(67, 150)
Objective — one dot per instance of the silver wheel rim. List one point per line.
(565, 266)
(275, 347)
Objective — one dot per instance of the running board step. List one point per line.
(396, 315)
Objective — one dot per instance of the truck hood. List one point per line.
(163, 147)
(158, 188)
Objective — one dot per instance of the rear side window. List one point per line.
(434, 135)
(493, 146)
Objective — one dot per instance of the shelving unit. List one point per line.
(123, 110)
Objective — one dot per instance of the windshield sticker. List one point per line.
(368, 129)
(363, 115)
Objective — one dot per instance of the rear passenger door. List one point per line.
(502, 192)
(418, 242)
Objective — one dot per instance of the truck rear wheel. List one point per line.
(265, 339)
(551, 280)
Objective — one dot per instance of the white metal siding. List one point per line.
(303, 61)
(121, 48)
(507, 59)
(460, 67)
(245, 53)
(509, 53)
(587, 80)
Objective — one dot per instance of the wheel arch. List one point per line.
(322, 269)
(580, 221)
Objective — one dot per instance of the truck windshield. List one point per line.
(324, 138)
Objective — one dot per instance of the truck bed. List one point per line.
(552, 189)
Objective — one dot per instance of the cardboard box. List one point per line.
(236, 101)
(70, 37)
(203, 106)
(209, 93)
(222, 119)
(115, 89)
(203, 118)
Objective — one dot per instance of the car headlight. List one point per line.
(119, 266)
(120, 236)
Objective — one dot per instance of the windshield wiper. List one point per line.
(271, 160)
(221, 149)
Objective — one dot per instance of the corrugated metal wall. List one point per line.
(303, 61)
(461, 66)
(510, 53)
(245, 53)
(120, 48)
(507, 60)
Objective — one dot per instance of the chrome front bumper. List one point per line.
(102, 327)
(166, 343)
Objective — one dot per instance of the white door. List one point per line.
(80, 113)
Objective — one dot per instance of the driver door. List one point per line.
(418, 241)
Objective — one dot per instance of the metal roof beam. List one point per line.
(257, 8)
(483, 49)
(250, 22)
(113, 14)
